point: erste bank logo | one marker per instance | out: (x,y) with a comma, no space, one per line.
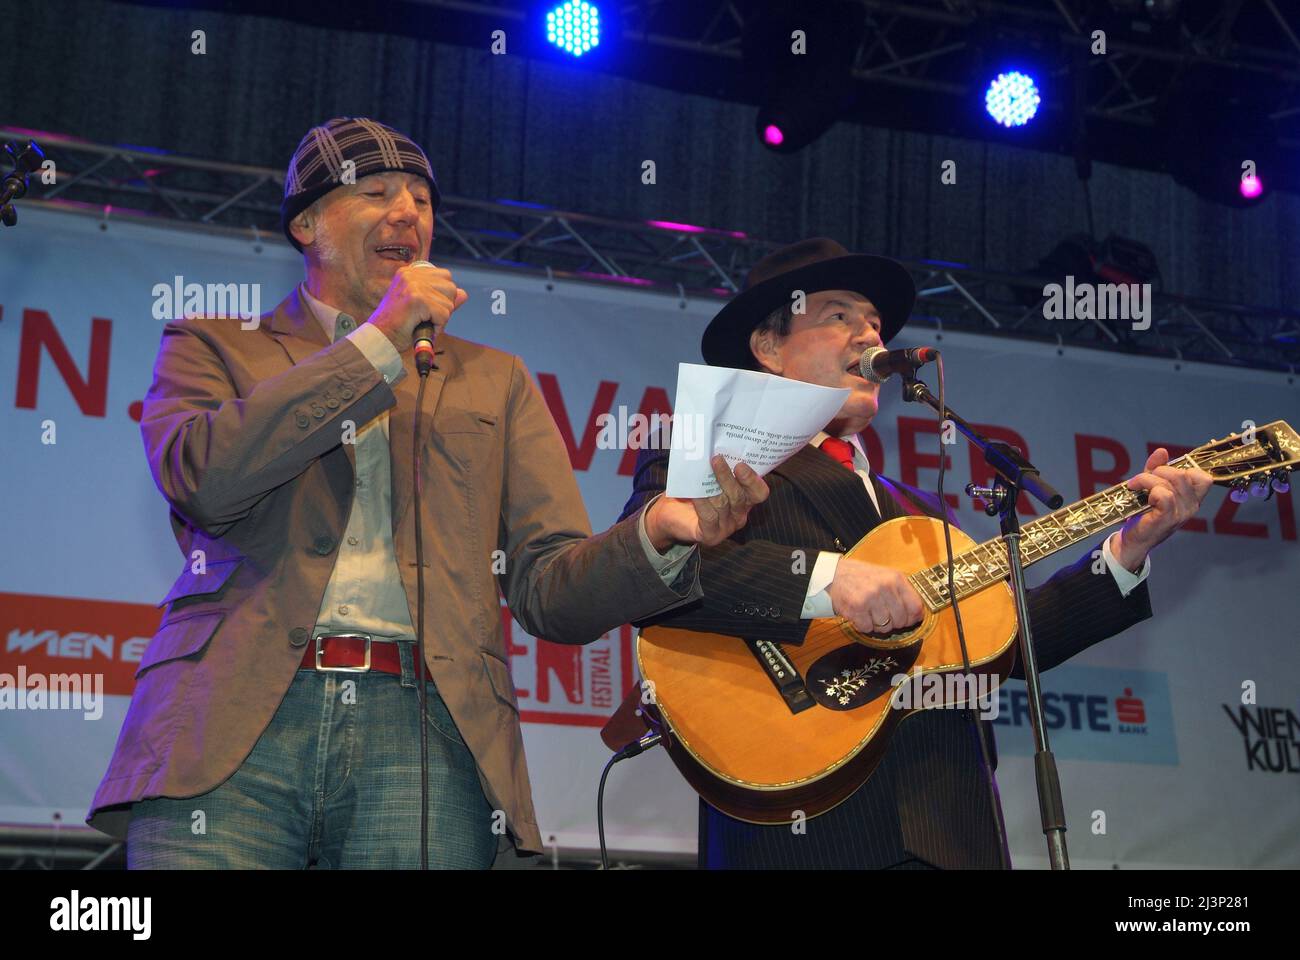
(1093,713)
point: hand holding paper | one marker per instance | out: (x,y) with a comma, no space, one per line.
(724,421)
(707,520)
(748,417)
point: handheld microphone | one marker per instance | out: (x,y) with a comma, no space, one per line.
(422,337)
(422,341)
(878,364)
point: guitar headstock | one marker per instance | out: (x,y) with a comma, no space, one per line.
(1252,461)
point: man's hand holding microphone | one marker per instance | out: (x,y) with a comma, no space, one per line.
(419,294)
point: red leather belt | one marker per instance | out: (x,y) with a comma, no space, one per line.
(352,653)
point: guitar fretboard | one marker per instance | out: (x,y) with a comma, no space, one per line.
(987,564)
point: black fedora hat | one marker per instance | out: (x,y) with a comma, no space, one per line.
(809,265)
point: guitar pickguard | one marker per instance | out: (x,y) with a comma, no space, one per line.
(853,675)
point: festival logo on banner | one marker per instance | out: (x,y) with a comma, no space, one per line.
(566,684)
(1093,713)
(53,644)
(1270,735)
(56,651)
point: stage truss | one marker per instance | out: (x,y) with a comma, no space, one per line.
(144,185)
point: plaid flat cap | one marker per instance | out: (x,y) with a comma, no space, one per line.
(320,162)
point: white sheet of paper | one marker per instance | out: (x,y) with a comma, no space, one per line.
(755,418)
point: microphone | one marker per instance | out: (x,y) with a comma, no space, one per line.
(878,364)
(422,337)
(422,341)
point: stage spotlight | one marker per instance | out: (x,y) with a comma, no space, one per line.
(1016,94)
(574,27)
(800,58)
(1218,138)
(1012,99)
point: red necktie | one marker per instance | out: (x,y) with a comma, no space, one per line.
(839,450)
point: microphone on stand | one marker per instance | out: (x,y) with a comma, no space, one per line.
(878,364)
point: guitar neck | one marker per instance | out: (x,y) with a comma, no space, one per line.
(987,563)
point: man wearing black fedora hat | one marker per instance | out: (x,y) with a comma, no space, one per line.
(807,312)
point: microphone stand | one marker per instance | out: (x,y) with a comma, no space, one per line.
(1015,473)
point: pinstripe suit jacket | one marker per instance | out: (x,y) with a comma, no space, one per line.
(929,798)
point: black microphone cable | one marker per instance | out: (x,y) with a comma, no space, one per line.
(980,733)
(631,750)
(417,463)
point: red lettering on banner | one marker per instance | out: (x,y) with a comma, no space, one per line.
(1176,450)
(1286,514)
(911,461)
(565,661)
(1091,477)
(580,454)
(1224,522)
(58,636)
(90,392)
(982,474)
(654,401)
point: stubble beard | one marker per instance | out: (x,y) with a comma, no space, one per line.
(332,261)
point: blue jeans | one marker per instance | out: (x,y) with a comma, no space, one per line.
(333,782)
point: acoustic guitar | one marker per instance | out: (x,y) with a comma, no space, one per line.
(761,731)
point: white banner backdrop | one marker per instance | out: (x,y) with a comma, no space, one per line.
(1162,764)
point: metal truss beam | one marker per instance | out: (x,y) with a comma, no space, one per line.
(142,185)
(905,42)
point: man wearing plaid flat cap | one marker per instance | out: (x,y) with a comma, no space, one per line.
(274,721)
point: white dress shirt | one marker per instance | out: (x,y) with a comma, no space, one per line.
(365,592)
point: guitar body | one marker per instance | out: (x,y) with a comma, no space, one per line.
(761,731)
(744,749)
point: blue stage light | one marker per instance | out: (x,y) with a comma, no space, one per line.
(1012,99)
(574,27)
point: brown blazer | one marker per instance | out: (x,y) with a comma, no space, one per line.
(243,429)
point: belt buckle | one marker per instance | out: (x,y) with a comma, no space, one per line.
(364,668)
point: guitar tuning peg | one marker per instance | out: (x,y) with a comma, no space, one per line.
(1281,481)
(1240,491)
(1259,487)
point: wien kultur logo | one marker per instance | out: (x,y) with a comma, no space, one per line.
(1270,737)
(179,299)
